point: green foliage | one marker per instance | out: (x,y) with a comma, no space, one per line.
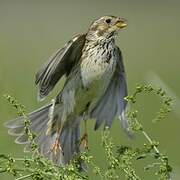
(119,159)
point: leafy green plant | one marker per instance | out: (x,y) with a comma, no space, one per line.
(119,159)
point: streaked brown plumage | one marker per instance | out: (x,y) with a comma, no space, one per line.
(95,87)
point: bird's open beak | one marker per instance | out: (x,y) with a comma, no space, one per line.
(121,23)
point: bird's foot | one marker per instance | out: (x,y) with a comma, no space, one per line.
(56,148)
(84,141)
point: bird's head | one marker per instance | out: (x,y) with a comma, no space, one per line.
(106,27)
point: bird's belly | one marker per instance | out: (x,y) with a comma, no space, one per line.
(88,96)
(95,83)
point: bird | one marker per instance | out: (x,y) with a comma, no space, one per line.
(95,87)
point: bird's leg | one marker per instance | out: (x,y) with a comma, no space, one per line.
(84,139)
(57,144)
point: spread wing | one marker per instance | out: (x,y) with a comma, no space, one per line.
(113,102)
(58,65)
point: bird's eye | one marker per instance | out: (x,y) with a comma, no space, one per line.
(108,21)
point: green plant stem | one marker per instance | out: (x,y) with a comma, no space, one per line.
(24,177)
(150,141)
(154,147)
(23,159)
(30,170)
(126,172)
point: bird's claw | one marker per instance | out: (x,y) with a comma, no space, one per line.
(56,148)
(84,141)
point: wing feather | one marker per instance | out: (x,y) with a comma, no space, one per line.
(58,65)
(113,102)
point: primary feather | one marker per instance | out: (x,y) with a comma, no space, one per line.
(58,65)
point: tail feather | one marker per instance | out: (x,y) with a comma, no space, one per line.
(41,121)
(16,131)
(22,139)
(19,122)
(15,123)
(69,138)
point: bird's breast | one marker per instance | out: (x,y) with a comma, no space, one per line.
(96,74)
(97,65)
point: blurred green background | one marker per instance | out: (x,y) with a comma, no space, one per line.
(30,31)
